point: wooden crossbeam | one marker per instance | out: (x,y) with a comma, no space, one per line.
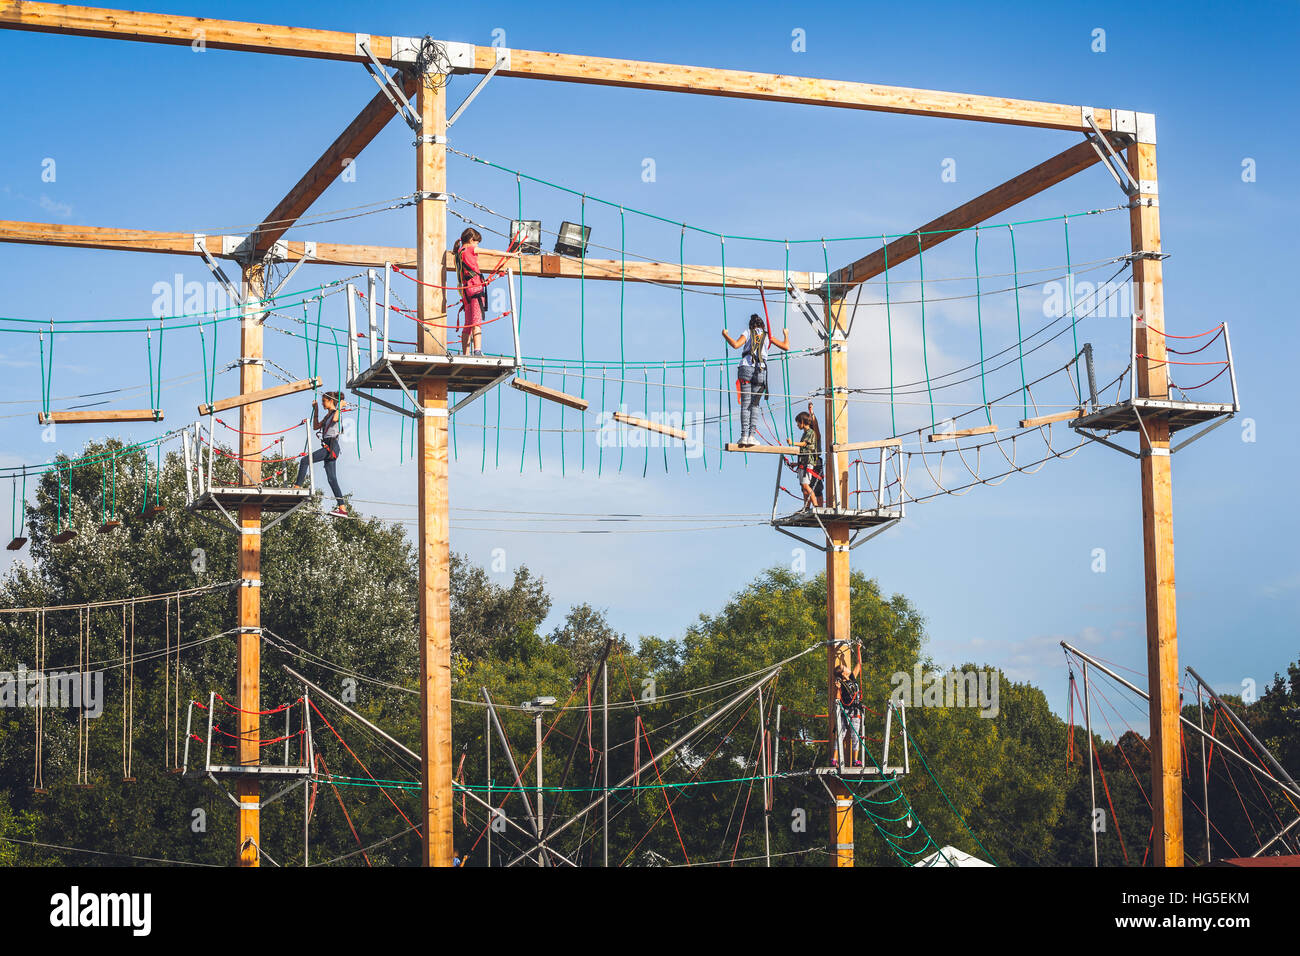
(650,426)
(765,449)
(963,433)
(100,416)
(550,394)
(668,273)
(863,445)
(996,200)
(349,144)
(365,256)
(1048,419)
(260,395)
(559,67)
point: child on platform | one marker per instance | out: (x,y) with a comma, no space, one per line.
(810,459)
(328,427)
(473,291)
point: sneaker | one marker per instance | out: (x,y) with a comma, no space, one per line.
(341,511)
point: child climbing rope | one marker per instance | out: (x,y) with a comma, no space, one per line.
(848,716)
(328,426)
(809,468)
(751,375)
(473,291)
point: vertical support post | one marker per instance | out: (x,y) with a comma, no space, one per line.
(537,756)
(372,332)
(1205,775)
(434,536)
(310,759)
(487,743)
(604,755)
(767,780)
(1092,782)
(836,431)
(248,656)
(1151,374)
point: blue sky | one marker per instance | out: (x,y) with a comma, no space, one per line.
(165,138)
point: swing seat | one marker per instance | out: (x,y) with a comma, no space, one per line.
(108,526)
(154,511)
(128,779)
(16,544)
(64,536)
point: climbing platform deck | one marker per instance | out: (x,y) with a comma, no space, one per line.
(230,497)
(855,518)
(406,370)
(1123,417)
(858,772)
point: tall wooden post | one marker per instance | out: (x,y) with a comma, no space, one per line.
(836,429)
(435,532)
(249,647)
(1152,375)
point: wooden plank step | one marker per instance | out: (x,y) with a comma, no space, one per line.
(765,449)
(101,416)
(963,433)
(260,395)
(1048,419)
(650,426)
(863,445)
(550,394)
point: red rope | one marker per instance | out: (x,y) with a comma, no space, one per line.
(1105,786)
(363,767)
(260,434)
(345,812)
(1157,361)
(1170,335)
(1192,388)
(278,710)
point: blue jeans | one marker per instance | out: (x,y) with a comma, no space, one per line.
(753,384)
(328,454)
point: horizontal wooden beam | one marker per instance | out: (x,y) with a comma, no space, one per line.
(864,445)
(649,426)
(996,200)
(100,416)
(364,256)
(765,449)
(963,433)
(1048,419)
(550,394)
(665,273)
(559,67)
(260,395)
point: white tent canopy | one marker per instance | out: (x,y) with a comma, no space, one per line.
(950,856)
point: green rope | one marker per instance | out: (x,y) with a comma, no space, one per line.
(47,372)
(925,763)
(925,351)
(645,404)
(600,446)
(1074,319)
(564,379)
(523,446)
(785,353)
(731,427)
(1020,339)
(622,352)
(681,296)
(519,255)
(482,465)
(663,410)
(582,320)
(541,377)
(498,429)
(889,328)
(979,321)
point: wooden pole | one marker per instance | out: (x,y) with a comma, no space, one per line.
(435,537)
(249,647)
(835,431)
(1152,375)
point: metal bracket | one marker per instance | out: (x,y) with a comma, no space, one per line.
(1146,128)
(502,61)
(282,515)
(248,630)
(432,139)
(379,74)
(1155,452)
(436,197)
(1134,256)
(309,252)
(232,290)
(814,317)
(389,405)
(1111,159)
(475,394)
(250,582)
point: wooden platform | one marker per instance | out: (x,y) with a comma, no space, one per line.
(1123,417)
(270,770)
(857,772)
(230,497)
(855,518)
(464,373)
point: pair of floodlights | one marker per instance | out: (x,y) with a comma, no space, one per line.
(570,240)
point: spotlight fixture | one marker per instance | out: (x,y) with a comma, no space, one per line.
(572,239)
(528,233)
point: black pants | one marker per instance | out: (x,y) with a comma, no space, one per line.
(329,454)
